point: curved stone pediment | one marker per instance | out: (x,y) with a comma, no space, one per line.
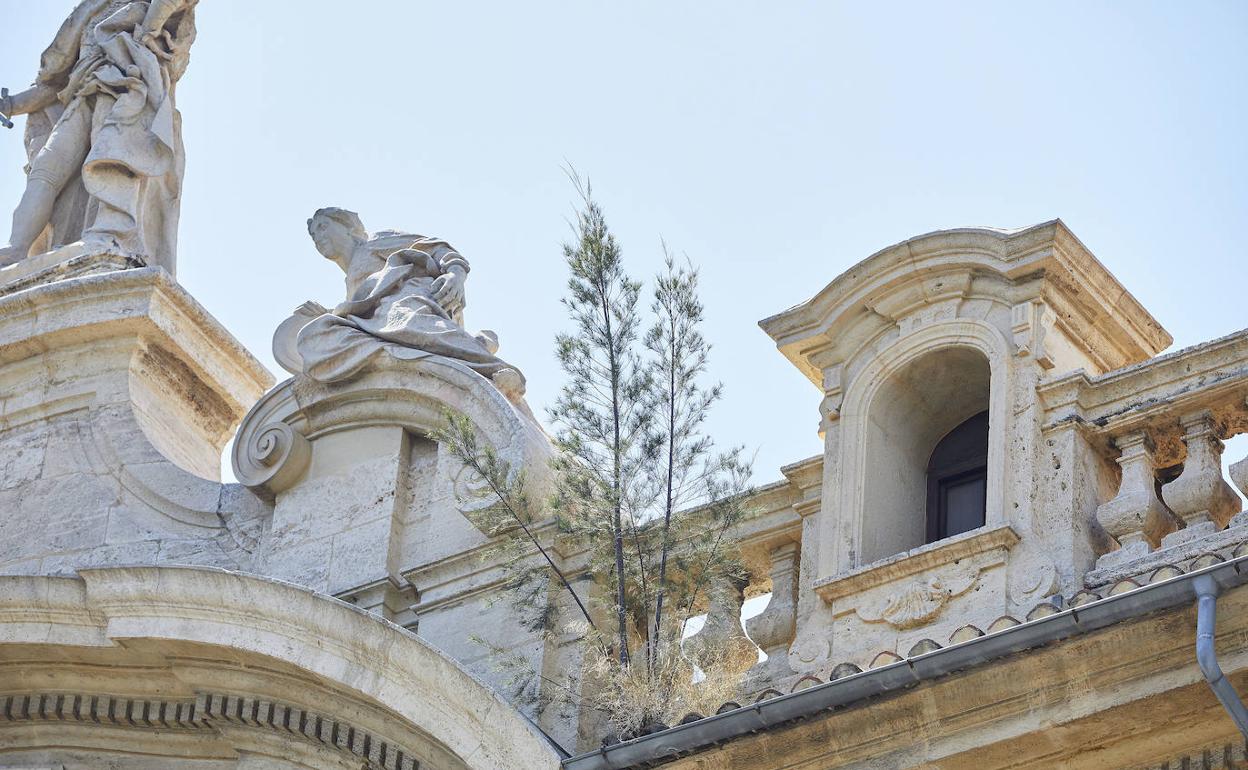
(178,662)
(925,278)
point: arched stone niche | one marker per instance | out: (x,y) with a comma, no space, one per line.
(911,407)
(895,411)
(904,347)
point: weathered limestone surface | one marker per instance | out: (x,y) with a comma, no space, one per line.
(405,299)
(904,347)
(117,393)
(365,506)
(211,669)
(1128,696)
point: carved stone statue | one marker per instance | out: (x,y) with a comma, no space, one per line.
(405,298)
(104,137)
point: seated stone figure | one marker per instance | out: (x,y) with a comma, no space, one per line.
(405,298)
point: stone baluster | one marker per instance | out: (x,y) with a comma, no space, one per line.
(1239,474)
(1200,495)
(722,643)
(774,628)
(1137,518)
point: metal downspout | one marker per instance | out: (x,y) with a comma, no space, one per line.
(1207,657)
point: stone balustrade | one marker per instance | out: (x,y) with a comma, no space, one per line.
(1158,517)
(774,628)
(1137,517)
(1164,423)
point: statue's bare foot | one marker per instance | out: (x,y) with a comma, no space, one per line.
(510,383)
(488,340)
(11,255)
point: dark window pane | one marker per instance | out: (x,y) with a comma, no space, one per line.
(964,504)
(957,480)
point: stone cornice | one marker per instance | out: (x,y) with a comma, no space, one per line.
(129,302)
(924,269)
(434,706)
(1207,375)
(272,451)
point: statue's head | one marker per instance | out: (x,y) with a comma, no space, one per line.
(336,232)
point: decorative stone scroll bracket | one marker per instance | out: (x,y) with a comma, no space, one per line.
(273,446)
(1030,323)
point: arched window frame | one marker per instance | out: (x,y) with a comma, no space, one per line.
(847,522)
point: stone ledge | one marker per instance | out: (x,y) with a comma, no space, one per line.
(72,261)
(205,713)
(1217,541)
(916,560)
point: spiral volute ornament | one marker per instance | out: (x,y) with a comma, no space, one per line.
(272,457)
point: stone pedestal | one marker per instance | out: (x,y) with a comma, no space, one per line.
(117,393)
(361,496)
(333,531)
(72,261)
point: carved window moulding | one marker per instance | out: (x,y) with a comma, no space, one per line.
(926,558)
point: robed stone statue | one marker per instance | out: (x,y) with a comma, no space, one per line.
(404,299)
(103,135)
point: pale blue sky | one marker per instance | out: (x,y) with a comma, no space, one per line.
(775,143)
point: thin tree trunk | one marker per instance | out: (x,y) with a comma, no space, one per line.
(617,522)
(667,508)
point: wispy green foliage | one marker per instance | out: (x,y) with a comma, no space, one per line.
(601,419)
(641,495)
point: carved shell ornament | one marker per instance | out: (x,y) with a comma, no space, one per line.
(916,603)
(472,493)
(920,600)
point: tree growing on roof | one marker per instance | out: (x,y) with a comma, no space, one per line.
(640,491)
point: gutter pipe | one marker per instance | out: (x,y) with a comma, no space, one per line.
(682,740)
(1207,591)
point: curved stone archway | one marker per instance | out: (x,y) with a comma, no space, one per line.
(211,669)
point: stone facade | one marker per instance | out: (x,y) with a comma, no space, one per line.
(323,611)
(1104,481)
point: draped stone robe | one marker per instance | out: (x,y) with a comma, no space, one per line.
(111,86)
(390,309)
